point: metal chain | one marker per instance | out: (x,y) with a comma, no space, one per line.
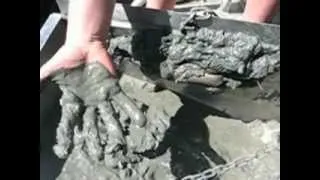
(203,13)
(197,14)
(220,170)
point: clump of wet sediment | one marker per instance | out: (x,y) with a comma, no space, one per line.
(204,56)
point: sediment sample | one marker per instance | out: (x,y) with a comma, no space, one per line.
(102,128)
(219,52)
(206,56)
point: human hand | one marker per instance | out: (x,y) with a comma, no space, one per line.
(70,56)
(88,25)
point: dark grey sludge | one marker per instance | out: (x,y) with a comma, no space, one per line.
(206,56)
(102,132)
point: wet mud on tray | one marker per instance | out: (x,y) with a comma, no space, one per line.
(183,148)
(209,65)
(105,134)
(100,123)
(206,56)
(81,154)
(107,142)
(192,143)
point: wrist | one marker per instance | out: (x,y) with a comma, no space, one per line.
(86,40)
(88,20)
(260,11)
(87,46)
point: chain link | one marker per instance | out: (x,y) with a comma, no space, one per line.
(220,170)
(203,13)
(197,14)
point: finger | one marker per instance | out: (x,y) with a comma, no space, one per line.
(70,111)
(78,138)
(65,58)
(94,148)
(102,56)
(103,132)
(123,117)
(115,135)
(114,129)
(135,114)
(160,122)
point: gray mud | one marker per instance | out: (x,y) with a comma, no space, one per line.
(80,167)
(102,132)
(208,57)
(194,141)
(106,134)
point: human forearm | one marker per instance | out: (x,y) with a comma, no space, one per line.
(161,4)
(260,10)
(88,20)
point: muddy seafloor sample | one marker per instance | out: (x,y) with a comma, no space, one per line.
(208,57)
(164,148)
(194,142)
(102,132)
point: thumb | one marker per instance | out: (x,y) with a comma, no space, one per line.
(102,56)
(63,59)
